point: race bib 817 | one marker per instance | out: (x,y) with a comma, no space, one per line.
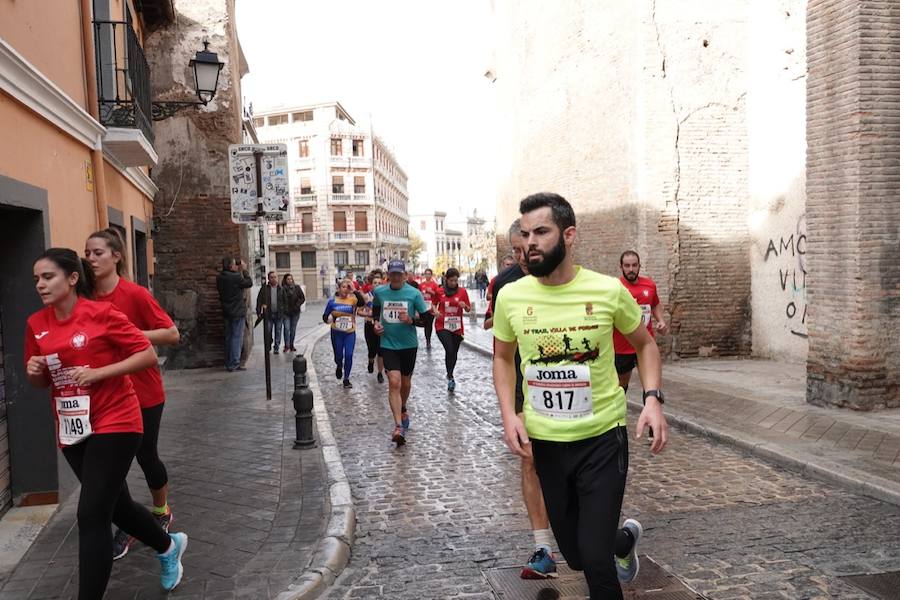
(560,392)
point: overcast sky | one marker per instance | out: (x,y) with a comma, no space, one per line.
(417,66)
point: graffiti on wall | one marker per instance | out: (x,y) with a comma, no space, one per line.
(790,253)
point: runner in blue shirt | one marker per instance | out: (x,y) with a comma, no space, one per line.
(396,307)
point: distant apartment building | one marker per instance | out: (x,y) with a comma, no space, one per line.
(442,247)
(349,207)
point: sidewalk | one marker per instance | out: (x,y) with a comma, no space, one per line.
(254,508)
(760,406)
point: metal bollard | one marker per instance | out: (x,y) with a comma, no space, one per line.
(303,405)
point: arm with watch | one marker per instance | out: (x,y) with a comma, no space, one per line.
(650,370)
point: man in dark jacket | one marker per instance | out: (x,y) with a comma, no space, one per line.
(231,283)
(268,308)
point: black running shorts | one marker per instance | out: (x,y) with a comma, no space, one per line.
(399,360)
(625,363)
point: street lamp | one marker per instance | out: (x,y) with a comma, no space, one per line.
(206,66)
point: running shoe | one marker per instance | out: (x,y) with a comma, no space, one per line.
(171,569)
(121,543)
(451,385)
(541,565)
(275,351)
(347,383)
(404,420)
(165,521)
(397,437)
(371,366)
(338,373)
(380,378)
(627,568)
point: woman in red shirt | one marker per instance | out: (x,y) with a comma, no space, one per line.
(82,350)
(449,304)
(105,251)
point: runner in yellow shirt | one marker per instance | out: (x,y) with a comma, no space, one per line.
(561,319)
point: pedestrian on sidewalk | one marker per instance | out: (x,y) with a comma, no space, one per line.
(373,340)
(105,252)
(271,311)
(449,303)
(481,282)
(292,299)
(83,351)
(561,321)
(340,312)
(231,283)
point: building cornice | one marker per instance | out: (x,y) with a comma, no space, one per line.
(22,81)
(135,175)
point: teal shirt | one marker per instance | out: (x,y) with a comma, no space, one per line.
(397,335)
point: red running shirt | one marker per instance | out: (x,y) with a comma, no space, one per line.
(96,334)
(451,310)
(145,313)
(644,291)
(430,291)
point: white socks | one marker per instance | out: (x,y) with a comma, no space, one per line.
(543,538)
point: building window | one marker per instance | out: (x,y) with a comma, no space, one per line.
(361,221)
(278,119)
(359,185)
(307,222)
(340,258)
(306,115)
(305,185)
(422,225)
(357,148)
(337,184)
(280,227)
(282,260)
(340,221)
(304,148)
(361,258)
(308,259)
(336,147)
(259,122)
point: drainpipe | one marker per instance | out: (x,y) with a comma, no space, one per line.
(93,106)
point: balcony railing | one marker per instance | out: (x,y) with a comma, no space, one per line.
(340,198)
(293,238)
(303,198)
(353,236)
(123,78)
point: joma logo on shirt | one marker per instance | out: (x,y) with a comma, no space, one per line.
(545,375)
(69,404)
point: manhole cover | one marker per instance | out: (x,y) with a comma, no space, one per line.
(883,585)
(653,583)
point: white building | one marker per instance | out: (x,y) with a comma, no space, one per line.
(441,246)
(349,199)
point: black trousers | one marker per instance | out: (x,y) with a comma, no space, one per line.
(451,343)
(101,463)
(148,454)
(428,320)
(583,484)
(373,341)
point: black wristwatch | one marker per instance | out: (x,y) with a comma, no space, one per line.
(656,394)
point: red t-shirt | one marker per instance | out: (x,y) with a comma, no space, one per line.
(145,313)
(644,291)
(367,288)
(96,334)
(430,290)
(451,310)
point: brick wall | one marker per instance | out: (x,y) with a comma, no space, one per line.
(853,203)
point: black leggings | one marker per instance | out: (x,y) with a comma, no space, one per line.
(101,463)
(428,320)
(373,341)
(147,455)
(451,343)
(583,484)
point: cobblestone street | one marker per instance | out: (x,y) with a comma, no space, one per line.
(437,513)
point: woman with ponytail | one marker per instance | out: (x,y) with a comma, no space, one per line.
(449,304)
(105,251)
(82,350)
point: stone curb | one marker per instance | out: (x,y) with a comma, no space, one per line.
(859,482)
(333,551)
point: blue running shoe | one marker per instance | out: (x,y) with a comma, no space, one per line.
(541,565)
(627,568)
(170,562)
(404,421)
(451,385)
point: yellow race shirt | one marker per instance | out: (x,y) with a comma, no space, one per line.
(564,335)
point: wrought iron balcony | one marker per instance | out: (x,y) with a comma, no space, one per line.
(123,78)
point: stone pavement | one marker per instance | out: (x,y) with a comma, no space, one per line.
(435,515)
(253,507)
(760,406)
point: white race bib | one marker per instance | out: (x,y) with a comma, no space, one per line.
(560,392)
(343,323)
(645,314)
(74,419)
(395,311)
(453,323)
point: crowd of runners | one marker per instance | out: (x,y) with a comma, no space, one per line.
(566,341)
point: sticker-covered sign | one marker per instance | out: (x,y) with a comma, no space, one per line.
(271,180)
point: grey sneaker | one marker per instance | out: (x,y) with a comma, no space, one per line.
(627,568)
(121,543)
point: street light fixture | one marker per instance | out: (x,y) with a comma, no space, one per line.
(206,66)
